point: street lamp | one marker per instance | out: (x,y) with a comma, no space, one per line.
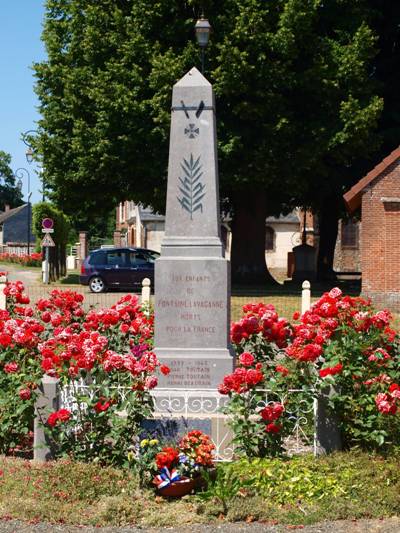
(21,173)
(29,154)
(202,30)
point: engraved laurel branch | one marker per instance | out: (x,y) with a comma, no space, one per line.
(191,187)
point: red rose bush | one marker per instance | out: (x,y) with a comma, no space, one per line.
(94,355)
(341,346)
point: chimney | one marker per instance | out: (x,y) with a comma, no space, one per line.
(6,208)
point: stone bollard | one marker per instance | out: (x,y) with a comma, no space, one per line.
(146,289)
(305,296)
(327,432)
(48,400)
(3,298)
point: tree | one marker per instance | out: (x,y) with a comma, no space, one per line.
(296,104)
(10,194)
(62,228)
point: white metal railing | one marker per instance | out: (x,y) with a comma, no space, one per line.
(191,405)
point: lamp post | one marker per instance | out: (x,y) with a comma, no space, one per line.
(29,154)
(21,173)
(202,30)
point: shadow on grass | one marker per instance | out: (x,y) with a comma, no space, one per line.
(349,287)
(70,279)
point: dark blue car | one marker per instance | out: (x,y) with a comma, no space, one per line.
(115,268)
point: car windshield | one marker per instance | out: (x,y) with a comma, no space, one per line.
(153,256)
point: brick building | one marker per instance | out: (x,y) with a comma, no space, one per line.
(347,251)
(378,195)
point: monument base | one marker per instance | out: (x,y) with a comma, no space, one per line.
(194,368)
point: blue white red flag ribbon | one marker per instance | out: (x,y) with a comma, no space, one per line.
(166,477)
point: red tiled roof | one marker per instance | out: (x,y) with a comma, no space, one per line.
(352,198)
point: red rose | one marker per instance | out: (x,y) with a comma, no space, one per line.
(52,420)
(11,368)
(165,370)
(24,394)
(282,370)
(273,428)
(246,359)
(331,371)
(124,328)
(64,415)
(101,406)
(151,382)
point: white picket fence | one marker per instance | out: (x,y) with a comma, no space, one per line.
(193,406)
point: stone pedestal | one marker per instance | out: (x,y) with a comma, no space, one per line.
(193,321)
(47,401)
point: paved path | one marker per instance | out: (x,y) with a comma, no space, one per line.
(389,525)
(28,277)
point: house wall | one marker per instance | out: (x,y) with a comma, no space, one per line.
(380,249)
(15,228)
(286,236)
(154,235)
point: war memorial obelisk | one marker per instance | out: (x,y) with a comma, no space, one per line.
(192,277)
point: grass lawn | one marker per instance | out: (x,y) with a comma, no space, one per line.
(16,266)
(301,490)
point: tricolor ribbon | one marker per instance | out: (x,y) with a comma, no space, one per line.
(166,477)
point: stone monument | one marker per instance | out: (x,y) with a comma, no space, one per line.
(192,277)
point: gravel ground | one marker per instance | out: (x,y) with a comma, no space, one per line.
(388,525)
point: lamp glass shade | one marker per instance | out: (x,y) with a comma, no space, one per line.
(203,30)
(29,155)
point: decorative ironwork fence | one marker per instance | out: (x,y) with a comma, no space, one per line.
(193,406)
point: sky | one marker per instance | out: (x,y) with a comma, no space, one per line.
(20,46)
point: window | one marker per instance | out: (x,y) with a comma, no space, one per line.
(139,258)
(97,259)
(116,258)
(269,239)
(349,234)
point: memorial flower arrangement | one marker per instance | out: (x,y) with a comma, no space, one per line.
(93,355)
(341,346)
(187,461)
(163,466)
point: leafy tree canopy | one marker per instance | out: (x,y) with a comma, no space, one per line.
(10,194)
(292,78)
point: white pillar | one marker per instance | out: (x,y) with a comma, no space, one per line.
(3,298)
(146,288)
(305,296)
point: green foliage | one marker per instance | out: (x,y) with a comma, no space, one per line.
(61,222)
(339,487)
(16,414)
(354,391)
(298,69)
(9,193)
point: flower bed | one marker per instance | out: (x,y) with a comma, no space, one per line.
(34,259)
(341,346)
(106,348)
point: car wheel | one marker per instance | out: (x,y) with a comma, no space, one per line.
(96,284)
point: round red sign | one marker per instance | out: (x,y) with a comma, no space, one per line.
(47,223)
